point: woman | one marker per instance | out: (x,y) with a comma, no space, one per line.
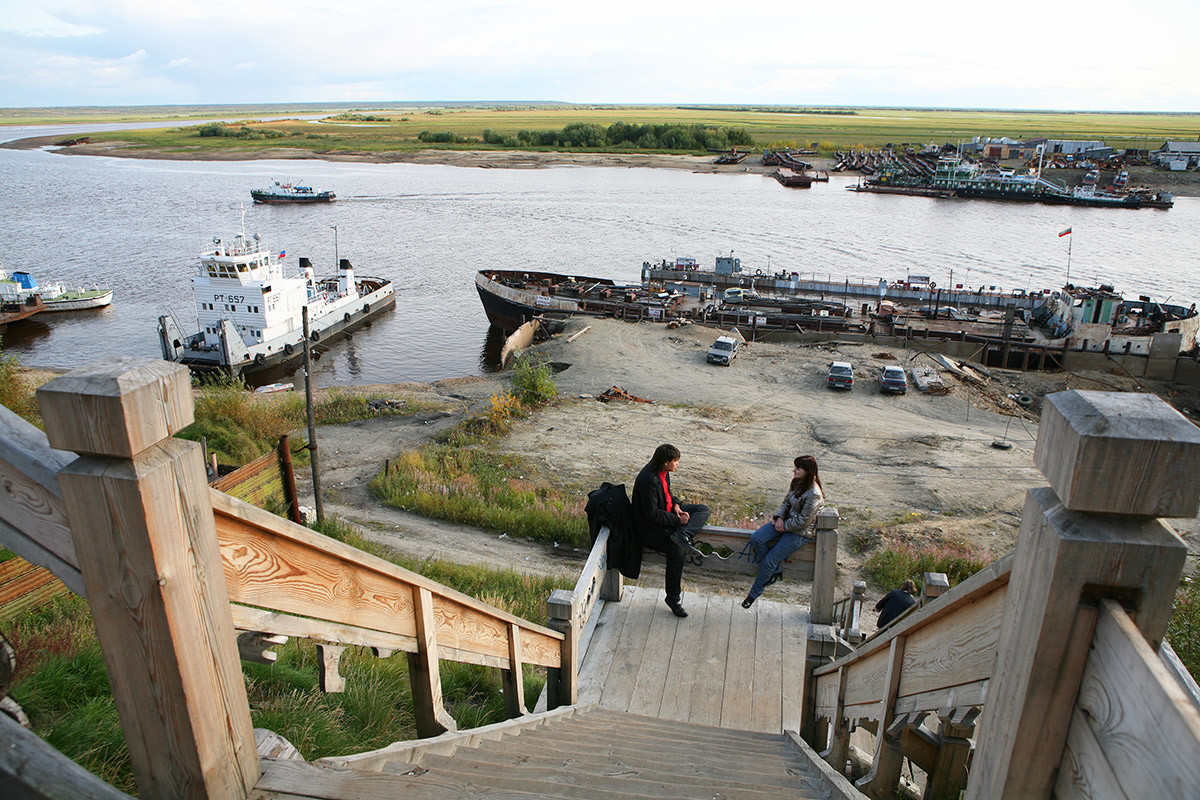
(793,524)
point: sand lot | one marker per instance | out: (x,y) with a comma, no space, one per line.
(914,468)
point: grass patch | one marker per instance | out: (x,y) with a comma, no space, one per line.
(62,684)
(15,392)
(890,567)
(1183,631)
(240,425)
(533,380)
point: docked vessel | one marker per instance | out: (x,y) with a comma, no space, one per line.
(291,193)
(17,302)
(249,313)
(955,176)
(58,297)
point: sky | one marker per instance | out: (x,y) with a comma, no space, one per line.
(1096,55)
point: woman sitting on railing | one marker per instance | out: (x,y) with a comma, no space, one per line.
(793,525)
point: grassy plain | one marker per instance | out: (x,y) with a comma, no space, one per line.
(396,129)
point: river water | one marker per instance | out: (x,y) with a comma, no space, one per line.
(139,225)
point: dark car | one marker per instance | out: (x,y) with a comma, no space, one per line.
(893,379)
(841,375)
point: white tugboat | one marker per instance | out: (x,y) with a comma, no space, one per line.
(250,314)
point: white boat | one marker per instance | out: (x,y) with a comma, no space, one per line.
(249,312)
(272,388)
(56,296)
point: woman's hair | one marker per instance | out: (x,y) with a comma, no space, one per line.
(811,475)
(909,587)
(663,454)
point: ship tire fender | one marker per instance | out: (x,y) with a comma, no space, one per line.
(346,318)
(259,358)
(758,272)
(933,284)
(316,336)
(288,349)
(1024,400)
(366,308)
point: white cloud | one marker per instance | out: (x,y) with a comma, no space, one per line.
(176,63)
(36,23)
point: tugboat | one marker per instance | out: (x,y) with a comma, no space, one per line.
(250,313)
(291,193)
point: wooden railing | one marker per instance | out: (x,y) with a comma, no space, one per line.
(1055,652)
(144,539)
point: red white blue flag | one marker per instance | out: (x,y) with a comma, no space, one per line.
(283,253)
(1067,232)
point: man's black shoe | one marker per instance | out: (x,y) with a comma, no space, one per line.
(677,609)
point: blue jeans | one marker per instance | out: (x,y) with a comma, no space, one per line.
(771,548)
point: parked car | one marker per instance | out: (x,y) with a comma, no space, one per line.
(723,351)
(841,375)
(893,379)
(738,295)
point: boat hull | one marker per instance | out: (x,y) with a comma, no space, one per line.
(265,197)
(80,303)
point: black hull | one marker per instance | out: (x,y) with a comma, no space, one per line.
(1011,197)
(259,197)
(505,314)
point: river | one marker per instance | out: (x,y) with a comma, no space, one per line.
(139,225)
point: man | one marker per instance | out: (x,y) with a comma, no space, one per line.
(896,602)
(663,522)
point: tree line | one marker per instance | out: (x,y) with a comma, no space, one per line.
(667,136)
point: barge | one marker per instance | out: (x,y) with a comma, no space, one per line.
(249,312)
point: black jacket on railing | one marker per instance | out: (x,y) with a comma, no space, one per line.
(609,505)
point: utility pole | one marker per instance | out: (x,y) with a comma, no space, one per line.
(308,410)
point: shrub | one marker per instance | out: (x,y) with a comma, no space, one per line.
(890,567)
(533,379)
(15,392)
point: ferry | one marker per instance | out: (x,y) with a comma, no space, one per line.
(249,312)
(291,193)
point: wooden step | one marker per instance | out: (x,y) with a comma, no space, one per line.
(618,740)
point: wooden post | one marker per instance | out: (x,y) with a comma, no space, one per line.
(514,676)
(563,683)
(949,773)
(1128,454)
(880,782)
(934,585)
(143,530)
(308,412)
(431,716)
(839,733)
(329,679)
(613,587)
(824,567)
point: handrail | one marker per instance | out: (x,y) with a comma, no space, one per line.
(265,592)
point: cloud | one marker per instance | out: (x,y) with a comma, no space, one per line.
(35,23)
(176,63)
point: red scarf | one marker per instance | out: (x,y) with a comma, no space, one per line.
(662,476)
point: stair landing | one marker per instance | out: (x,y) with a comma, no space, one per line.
(723,666)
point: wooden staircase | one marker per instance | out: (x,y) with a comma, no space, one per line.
(589,753)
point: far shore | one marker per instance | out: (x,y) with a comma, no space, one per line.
(1182,184)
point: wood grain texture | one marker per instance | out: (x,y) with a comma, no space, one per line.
(794,629)
(275,564)
(681,671)
(1063,557)
(1119,453)
(956,649)
(965,695)
(711,663)
(622,674)
(117,406)
(866,680)
(1085,773)
(514,676)
(30,769)
(31,508)
(1146,726)
(978,585)
(145,537)
(655,664)
(824,574)
(737,702)
(767,699)
(429,712)
(598,659)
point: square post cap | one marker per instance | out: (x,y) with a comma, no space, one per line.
(117,406)
(1119,453)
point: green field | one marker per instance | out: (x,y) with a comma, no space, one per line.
(393,128)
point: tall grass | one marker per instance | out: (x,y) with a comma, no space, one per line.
(15,391)
(533,379)
(62,684)
(1183,631)
(890,567)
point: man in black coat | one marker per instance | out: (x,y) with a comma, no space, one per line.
(664,523)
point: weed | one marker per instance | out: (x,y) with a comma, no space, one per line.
(1183,631)
(533,379)
(891,566)
(15,391)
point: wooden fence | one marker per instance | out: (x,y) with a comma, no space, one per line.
(1047,671)
(144,541)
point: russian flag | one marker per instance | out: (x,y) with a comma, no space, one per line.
(1067,232)
(283,253)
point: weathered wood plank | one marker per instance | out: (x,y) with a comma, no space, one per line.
(30,769)
(681,671)
(656,658)
(1085,773)
(956,649)
(514,676)
(598,658)
(1145,724)
(739,688)
(965,695)
(622,675)
(767,699)
(880,782)
(711,662)
(144,535)
(423,673)
(794,629)
(866,680)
